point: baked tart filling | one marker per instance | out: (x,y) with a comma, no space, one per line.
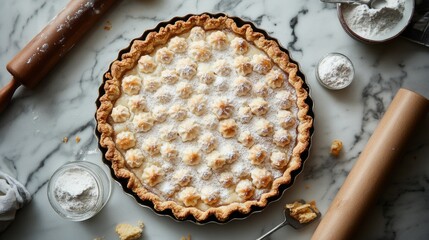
(204,118)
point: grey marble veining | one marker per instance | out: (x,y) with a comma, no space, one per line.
(32,128)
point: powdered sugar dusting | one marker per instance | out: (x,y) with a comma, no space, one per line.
(222,87)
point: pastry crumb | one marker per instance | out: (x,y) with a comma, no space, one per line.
(77,139)
(65,139)
(303,212)
(336,147)
(127,231)
(140,223)
(186,237)
(108,25)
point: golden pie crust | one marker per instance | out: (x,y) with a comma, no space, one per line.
(131,156)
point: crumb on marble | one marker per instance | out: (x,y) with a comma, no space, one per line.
(108,25)
(127,231)
(186,237)
(307,186)
(303,212)
(336,147)
(77,139)
(140,223)
(65,139)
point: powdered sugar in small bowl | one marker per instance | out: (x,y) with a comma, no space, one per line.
(79,190)
(335,71)
(385,21)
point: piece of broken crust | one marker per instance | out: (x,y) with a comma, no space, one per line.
(303,212)
(336,147)
(127,231)
(186,237)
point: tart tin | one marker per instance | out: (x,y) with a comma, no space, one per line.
(396,31)
(212,218)
(104,185)
(333,87)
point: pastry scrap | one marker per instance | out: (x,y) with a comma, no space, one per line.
(186,238)
(204,118)
(336,147)
(127,231)
(303,212)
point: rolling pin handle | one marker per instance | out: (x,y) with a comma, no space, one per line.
(45,50)
(7,92)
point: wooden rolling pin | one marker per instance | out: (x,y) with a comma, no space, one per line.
(363,184)
(44,51)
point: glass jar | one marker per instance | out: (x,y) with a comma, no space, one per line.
(101,180)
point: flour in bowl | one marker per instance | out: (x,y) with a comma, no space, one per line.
(371,22)
(76,190)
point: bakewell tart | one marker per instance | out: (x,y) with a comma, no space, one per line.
(204,118)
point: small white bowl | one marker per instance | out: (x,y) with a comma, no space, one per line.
(103,183)
(396,31)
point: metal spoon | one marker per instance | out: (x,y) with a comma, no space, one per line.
(370,3)
(367,2)
(289,220)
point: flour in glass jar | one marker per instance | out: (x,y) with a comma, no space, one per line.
(335,71)
(76,191)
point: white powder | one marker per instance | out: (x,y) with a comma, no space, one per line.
(221,87)
(335,71)
(76,190)
(370,22)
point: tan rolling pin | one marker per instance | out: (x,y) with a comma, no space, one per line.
(363,184)
(44,51)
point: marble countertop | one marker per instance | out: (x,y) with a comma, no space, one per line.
(33,127)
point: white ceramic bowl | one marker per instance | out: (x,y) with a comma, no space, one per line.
(393,33)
